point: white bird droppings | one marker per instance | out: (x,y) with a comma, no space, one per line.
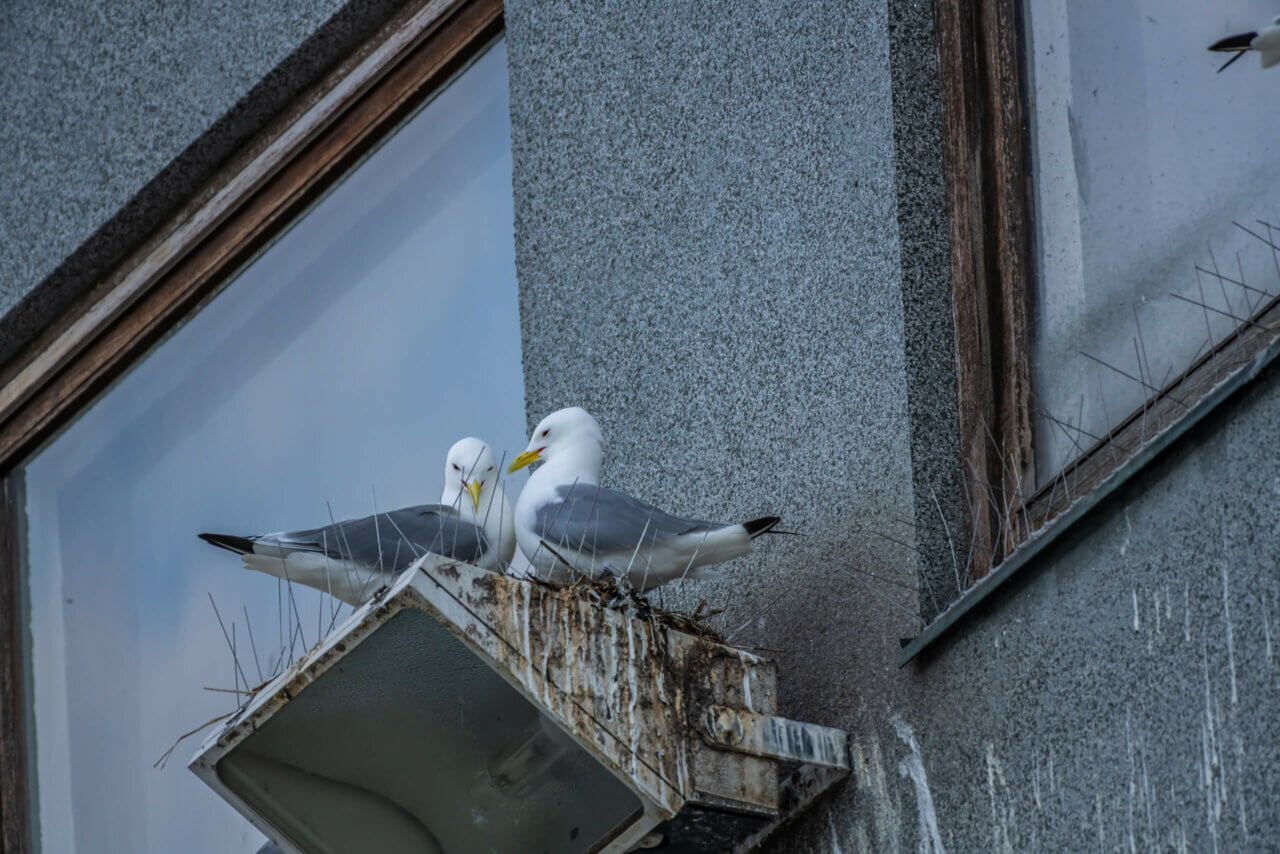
(913,766)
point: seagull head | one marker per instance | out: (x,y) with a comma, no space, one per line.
(568,437)
(469,469)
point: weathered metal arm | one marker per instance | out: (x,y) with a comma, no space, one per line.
(822,751)
(776,738)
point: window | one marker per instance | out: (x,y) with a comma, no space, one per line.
(334,370)
(1114,243)
(1146,166)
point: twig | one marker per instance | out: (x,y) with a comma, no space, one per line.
(160,763)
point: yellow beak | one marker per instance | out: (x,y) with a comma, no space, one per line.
(523,459)
(473,489)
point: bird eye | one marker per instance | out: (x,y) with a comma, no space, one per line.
(490,468)
(455,467)
(545,432)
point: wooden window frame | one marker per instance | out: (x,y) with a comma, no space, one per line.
(988,186)
(273,181)
(986,145)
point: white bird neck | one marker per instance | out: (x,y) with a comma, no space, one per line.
(493,509)
(580,462)
(456,497)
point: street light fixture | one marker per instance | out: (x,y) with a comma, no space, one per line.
(461,711)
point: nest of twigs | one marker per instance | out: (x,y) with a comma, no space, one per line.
(606,592)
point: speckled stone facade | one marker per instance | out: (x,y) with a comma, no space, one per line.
(731,244)
(731,241)
(116,113)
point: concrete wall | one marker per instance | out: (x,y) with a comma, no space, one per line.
(731,248)
(1126,693)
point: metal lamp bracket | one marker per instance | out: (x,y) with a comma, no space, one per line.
(823,754)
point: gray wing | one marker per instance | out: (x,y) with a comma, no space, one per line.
(599,520)
(389,540)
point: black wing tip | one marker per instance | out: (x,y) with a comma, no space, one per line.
(1240,41)
(763,525)
(230,542)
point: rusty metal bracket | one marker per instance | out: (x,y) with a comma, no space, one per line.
(795,795)
(775,738)
(822,751)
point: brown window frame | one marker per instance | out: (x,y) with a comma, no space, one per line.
(988,184)
(263,190)
(988,193)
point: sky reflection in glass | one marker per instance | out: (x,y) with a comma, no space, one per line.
(1144,158)
(335,370)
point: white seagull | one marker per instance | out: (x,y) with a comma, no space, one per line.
(567,522)
(350,560)
(1265,41)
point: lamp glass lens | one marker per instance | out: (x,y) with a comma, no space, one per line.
(413,743)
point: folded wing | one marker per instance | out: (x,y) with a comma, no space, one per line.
(598,520)
(387,541)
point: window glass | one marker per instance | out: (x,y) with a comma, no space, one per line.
(1143,159)
(335,371)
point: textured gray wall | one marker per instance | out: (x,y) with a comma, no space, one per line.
(115,113)
(928,314)
(1126,695)
(708,253)
(731,248)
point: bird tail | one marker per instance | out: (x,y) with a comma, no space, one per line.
(230,542)
(763,525)
(716,545)
(1237,44)
(1241,41)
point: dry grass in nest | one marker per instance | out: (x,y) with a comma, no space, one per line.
(607,593)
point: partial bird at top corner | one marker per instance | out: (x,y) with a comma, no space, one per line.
(1265,41)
